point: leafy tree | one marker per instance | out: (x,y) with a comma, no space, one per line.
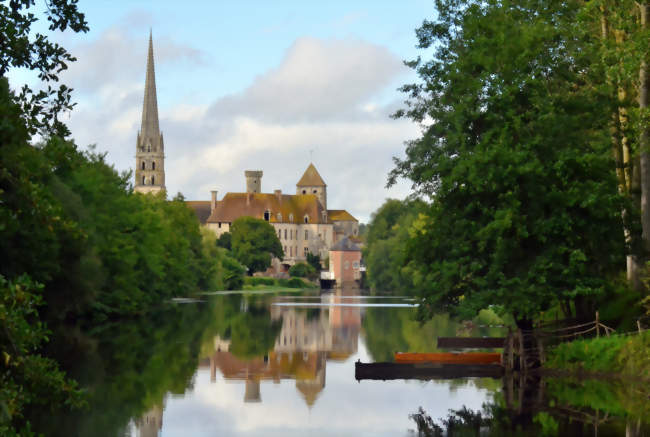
(515,155)
(27,379)
(302,270)
(385,252)
(21,47)
(314,261)
(254,241)
(225,241)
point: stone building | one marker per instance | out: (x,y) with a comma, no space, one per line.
(302,221)
(150,148)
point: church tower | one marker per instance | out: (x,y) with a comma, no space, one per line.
(150,150)
(312,183)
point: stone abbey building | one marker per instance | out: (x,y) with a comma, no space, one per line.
(302,220)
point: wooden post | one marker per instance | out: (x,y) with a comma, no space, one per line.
(511,351)
(597,325)
(522,352)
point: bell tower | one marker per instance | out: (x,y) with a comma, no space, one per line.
(150,149)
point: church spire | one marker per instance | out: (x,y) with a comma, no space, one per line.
(150,148)
(150,105)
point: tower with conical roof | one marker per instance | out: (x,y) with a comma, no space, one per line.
(150,149)
(312,183)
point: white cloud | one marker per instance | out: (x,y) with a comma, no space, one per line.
(325,95)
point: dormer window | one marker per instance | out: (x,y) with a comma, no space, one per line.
(304,191)
(267,215)
(315,191)
(279,217)
(306,218)
(291,218)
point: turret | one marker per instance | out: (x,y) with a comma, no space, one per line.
(312,183)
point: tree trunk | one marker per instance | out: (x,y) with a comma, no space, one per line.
(644,155)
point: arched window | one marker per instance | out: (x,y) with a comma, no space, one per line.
(267,215)
(152,181)
(142,166)
(153,165)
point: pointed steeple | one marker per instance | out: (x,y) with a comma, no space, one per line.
(150,125)
(150,147)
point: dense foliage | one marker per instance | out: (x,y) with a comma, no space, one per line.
(254,243)
(516,157)
(303,270)
(385,251)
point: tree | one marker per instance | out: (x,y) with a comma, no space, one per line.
(314,261)
(225,241)
(254,242)
(303,270)
(385,252)
(515,155)
(20,47)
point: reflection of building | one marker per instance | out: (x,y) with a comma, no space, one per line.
(150,424)
(308,338)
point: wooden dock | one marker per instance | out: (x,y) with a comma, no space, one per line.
(470,342)
(449,358)
(425,371)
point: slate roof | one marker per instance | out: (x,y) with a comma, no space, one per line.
(235,205)
(340,215)
(201,209)
(345,245)
(311,178)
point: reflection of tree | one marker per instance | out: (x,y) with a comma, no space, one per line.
(531,405)
(127,368)
(253,333)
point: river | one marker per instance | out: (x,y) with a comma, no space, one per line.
(282,364)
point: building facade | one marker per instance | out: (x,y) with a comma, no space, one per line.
(302,221)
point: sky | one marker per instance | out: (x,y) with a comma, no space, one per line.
(250,85)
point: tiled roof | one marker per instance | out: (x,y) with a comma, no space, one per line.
(345,245)
(235,205)
(201,209)
(340,215)
(311,178)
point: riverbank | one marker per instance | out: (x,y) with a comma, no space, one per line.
(276,284)
(626,355)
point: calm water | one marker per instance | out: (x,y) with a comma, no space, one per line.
(283,364)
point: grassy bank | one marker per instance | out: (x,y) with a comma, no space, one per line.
(265,283)
(624,355)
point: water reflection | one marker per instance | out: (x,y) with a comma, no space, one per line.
(307,339)
(245,364)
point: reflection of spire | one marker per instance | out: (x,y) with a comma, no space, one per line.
(252,393)
(150,423)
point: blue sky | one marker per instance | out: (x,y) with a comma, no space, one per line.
(251,85)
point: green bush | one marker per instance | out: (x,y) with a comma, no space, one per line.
(302,270)
(260,281)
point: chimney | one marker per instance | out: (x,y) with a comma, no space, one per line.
(278,194)
(213,201)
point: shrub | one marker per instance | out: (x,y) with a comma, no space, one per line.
(302,270)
